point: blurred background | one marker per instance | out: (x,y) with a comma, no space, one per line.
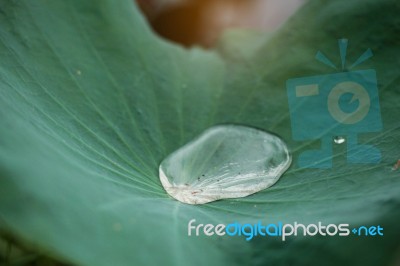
(201,22)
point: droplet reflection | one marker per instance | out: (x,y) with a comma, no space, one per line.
(339,140)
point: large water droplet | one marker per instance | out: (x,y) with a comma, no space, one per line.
(226,161)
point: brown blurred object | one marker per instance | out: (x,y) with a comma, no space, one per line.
(201,22)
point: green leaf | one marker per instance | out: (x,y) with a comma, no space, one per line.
(91,101)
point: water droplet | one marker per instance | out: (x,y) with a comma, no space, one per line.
(232,162)
(339,140)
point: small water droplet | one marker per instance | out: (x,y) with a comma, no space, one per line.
(339,140)
(78,72)
(234,162)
